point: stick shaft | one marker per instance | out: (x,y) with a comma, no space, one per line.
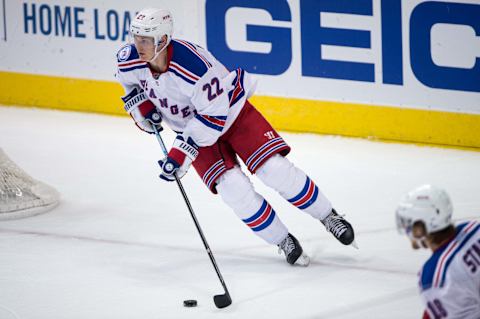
(190,209)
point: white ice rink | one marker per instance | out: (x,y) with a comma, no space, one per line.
(122,245)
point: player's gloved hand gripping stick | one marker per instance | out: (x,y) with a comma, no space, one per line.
(221,301)
(184,151)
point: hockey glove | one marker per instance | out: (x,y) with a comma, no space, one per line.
(179,159)
(143,111)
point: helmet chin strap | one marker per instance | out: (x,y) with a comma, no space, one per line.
(158,53)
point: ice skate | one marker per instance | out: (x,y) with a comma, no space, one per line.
(293,251)
(340,228)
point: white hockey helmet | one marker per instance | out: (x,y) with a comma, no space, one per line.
(428,204)
(153,22)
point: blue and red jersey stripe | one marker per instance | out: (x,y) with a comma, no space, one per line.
(447,257)
(131,61)
(214,122)
(434,271)
(238,91)
(193,49)
(186,62)
(132,65)
(183,73)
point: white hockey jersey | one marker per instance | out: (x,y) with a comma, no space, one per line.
(196,96)
(450,279)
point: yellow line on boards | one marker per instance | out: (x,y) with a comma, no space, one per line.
(291,114)
(61,93)
(368,121)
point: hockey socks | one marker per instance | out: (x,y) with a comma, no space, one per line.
(237,192)
(299,190)
(295,186)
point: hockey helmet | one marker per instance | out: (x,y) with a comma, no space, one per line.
(152,22)
(428,204)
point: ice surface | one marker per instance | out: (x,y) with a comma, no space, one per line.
(122,245)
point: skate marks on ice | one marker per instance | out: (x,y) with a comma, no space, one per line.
(361,309)
(6,313)
(318,257)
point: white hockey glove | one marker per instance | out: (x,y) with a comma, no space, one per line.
(183,152)
(143,111)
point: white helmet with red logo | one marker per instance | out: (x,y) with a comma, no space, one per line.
(155,23)
(428,204)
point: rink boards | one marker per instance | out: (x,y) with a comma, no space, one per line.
(389,69)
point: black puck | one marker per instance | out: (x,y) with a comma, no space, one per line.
(190,303)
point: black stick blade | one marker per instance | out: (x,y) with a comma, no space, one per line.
(222,301)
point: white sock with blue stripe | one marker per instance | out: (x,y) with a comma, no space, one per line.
(237,192)
(295,186)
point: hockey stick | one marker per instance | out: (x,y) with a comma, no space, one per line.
(221,301)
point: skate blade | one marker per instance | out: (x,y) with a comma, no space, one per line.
(354,244)
(303,261)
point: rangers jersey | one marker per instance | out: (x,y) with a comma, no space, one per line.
(450,279)
(196,96)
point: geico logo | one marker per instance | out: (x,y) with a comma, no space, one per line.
(422,18)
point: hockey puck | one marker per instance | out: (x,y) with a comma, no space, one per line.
(190,303)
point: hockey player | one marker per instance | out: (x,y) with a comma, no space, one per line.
(450,279)
(182,85)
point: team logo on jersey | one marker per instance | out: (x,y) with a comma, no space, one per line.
(124,53)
